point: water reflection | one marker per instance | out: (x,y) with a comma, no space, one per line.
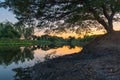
(9,55)
(51,53)
(12,58)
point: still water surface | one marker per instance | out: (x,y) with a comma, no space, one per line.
(21,57)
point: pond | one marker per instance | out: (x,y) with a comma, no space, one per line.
(22,57)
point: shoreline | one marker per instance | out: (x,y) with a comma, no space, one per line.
(97,61)
(80,66)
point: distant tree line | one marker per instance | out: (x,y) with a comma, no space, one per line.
(15,31)
(18,31)
(56,41)
(8,31)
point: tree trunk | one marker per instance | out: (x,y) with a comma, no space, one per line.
(109,29)
(110,25)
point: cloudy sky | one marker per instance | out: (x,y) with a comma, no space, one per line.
(6,15)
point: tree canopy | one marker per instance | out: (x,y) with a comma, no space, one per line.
(7,30)
(73,11)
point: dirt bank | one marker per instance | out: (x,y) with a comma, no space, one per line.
(100,60)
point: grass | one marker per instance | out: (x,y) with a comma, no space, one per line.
(17,42)
(10,42)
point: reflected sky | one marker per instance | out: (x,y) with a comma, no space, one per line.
(65,50)
(26,57)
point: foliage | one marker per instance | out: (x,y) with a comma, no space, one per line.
(17,42)
(54,41)
(24,31)
(17,30)
(74,11)
(7,30)
(14,54)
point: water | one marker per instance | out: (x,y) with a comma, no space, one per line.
(22,57)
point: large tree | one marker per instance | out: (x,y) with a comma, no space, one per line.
(7,30)
(44,11)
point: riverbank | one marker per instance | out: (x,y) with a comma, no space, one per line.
(13,42)
(46,42)
(100,63)
(83,66)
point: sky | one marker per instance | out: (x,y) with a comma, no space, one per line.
(6,15)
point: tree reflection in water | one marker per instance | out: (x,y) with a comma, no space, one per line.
(9,55)
(22,75)
(15,54)
(26,73)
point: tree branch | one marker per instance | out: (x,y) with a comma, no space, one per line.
(99,19)
(105,12)
(113,11)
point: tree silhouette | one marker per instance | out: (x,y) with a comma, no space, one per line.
(73,11)
(9,55)
(8,30)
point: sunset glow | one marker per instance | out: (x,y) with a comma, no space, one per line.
(65,50)
(72,34)
(116,26)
